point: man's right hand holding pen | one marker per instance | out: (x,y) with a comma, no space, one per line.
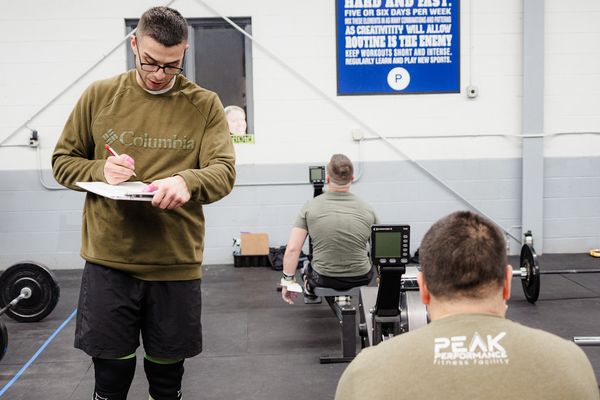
(118,168)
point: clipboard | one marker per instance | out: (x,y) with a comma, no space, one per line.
(122,191)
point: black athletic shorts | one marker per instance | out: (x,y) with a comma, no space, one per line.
(114,308)
(338,283)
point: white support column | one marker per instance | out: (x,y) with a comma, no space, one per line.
(532,209)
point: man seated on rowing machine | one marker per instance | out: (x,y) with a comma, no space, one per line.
(469,350)
(339,225)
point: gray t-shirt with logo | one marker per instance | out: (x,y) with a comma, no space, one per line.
(339,224)
(470,356)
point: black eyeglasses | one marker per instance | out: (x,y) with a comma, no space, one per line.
(167,69)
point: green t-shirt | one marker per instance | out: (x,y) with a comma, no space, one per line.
(470,356)
(339,224)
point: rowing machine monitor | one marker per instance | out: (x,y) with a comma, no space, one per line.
(390,245)
(316,176)
(394,307)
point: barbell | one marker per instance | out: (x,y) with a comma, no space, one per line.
(587,340)
(529,271)
(28,293)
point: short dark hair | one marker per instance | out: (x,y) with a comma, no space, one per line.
(463,255)
(340,169)
(163,24)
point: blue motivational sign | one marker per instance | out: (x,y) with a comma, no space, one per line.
(397,46)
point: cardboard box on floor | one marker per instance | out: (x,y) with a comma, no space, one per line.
(255,244)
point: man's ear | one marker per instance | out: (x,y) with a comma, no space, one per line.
(327,179)
(507,283)
(425,295)
(133,43)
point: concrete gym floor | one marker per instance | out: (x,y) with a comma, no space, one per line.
(255,346)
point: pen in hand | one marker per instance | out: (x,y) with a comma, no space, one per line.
(114,153)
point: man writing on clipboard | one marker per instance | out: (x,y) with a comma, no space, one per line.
(143,259)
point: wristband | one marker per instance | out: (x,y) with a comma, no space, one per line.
(288,277)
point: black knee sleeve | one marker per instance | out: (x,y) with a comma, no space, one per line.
(113,378)
(164,379)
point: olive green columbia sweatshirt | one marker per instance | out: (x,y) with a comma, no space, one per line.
(181,132)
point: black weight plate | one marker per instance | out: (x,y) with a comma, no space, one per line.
(530,281)
(44,291)
(3,340)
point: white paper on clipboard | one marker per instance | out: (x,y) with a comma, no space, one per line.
(122,191)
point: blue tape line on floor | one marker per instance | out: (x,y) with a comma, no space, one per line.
(37,353)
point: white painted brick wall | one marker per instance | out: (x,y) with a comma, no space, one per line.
(50,44)
(46,45)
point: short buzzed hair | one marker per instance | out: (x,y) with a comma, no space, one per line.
(231,108)
(463,255)
(163,24)
(340,169)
